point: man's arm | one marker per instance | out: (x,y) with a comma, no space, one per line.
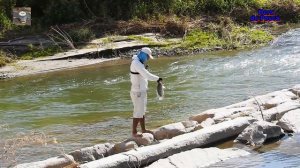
(145,73)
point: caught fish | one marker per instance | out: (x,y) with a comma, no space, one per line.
(160,90)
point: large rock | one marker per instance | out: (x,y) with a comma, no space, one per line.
(266,101)
(169,131)
(296,90)
(124,146)
(197,158)
(223,114)
(257,133)
(290,121)
(92,153)
(189,125)
(55,162)
(277,112)
(144,155)
(208,122)
(145,139)
(203,116)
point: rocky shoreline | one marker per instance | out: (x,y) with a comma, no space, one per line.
(252,122)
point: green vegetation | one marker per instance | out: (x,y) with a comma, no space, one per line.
(5,58)
(145,40)
(226,34)
(200,39)
(35,52)
(49,12)
(5,23)
(201,23)
(82,35)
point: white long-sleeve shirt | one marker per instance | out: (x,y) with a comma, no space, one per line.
(139,82)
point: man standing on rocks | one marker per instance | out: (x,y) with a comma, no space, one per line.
(139,77)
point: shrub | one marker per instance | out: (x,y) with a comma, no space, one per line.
(199,39)
(4,58)
(82,35)
(36,52)
(5,23)
(289,10)
(246,36)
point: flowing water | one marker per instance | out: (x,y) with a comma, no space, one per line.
(91,105)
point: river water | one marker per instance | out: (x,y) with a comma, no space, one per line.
(91,105)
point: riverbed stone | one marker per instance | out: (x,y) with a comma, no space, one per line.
(208,122)
(203,115)
(198,127)
(142,156)
(145,139)
(277,112)
(296,90)
(124,146)
(169,131)
(197,158)
(189,125)
(290,121)
(55,162)
(92,153)
(229,112)
(257,133)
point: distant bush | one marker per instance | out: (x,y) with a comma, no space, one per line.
(35,52)
(82,35)
(65,11)
(288,10)
(5,58)
(5,23)
(200,39)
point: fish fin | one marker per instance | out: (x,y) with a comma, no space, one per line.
(160,98)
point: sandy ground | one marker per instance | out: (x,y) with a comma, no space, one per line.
(30,67)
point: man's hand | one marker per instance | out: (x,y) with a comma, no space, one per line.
(159,80)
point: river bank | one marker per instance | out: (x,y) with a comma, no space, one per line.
(116,47)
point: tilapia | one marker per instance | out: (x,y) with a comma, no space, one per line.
(160,90)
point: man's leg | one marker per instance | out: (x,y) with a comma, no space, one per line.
(135,123)
(142,121)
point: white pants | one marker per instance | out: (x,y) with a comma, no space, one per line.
(139,100)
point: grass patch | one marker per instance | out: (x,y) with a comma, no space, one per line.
(226,34)
(82,35)
(142,39)
(245,36)
(36,52)
(199,39)
(5,59)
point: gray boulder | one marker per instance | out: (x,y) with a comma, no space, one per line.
(257,133)
(92,153)
(208,122)
(169,131)
(145,139)
(55,162)
(197,158)
(203,116)
(124,146)
(290,121)
(147,154)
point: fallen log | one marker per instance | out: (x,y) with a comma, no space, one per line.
(148,154)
